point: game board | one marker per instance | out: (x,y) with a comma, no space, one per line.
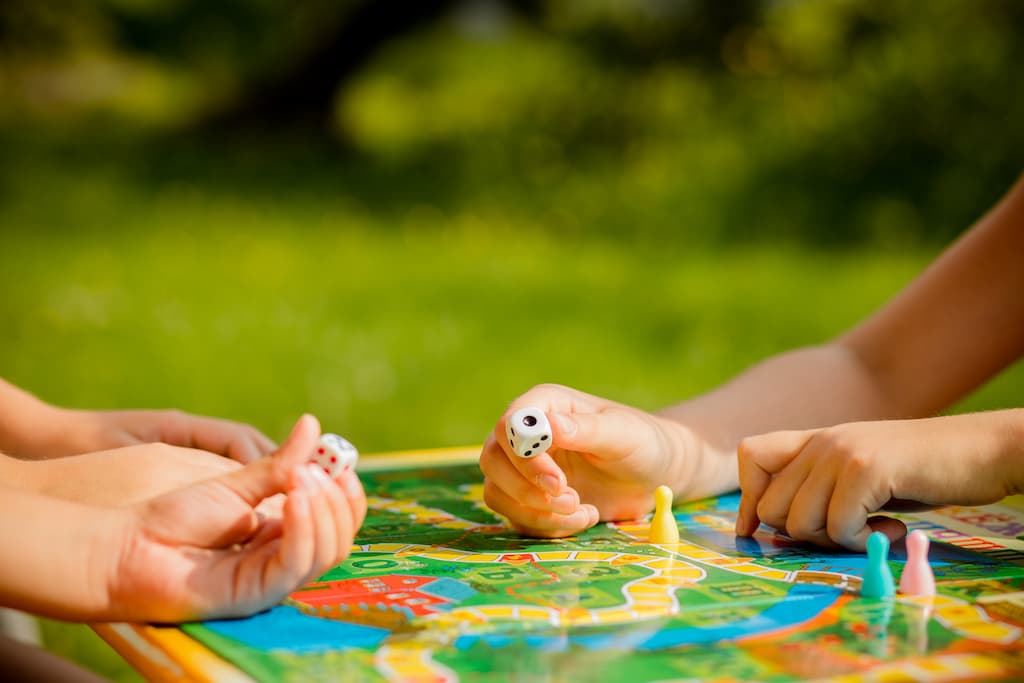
(438,588)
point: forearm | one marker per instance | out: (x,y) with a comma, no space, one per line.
(1006,430)
(56,555)
(809,387)
(946,333)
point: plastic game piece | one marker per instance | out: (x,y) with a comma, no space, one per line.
(878,582)
(917,577)
(663,525)
(335,454)
(528,432)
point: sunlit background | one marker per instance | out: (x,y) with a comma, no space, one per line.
(399,216)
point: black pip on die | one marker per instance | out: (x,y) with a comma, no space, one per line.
(528,432)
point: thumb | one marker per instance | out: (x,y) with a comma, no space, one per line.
(609,434)
(268,476)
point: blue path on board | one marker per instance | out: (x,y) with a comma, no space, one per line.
(286,629)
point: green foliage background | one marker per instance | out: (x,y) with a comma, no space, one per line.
(607,195)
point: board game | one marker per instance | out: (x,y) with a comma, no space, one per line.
(438,588)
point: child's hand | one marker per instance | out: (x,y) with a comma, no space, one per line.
(820,485)
(96,430)
(605,462)
(121,476)
(204,551)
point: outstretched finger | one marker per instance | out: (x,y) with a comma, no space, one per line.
(758,459)
(268,476)
(240,442)
(249,444)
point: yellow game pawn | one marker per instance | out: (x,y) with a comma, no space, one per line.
(663,525)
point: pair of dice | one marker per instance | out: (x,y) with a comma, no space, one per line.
(528,432)
(335,454)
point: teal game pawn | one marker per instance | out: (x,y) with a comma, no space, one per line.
(878,581)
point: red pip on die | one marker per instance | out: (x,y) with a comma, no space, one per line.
(335,454)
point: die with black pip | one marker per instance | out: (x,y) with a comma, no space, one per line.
(528,432)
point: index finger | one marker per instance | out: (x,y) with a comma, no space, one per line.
(541,470)
(267,476)
(758,459)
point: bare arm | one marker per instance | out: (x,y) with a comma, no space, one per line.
(24,419)
(32,429)
(950,330)
(200,551)
(56,554)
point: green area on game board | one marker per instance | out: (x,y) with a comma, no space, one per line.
(438,587)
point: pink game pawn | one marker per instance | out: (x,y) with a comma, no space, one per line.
(917,578)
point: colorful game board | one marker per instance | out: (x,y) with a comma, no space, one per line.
(438,588)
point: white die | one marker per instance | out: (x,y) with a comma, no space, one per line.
(334,454)
(528,432)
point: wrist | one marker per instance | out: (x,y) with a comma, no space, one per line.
(112,559)
(21,474)
(698,468)
(74,431)
(1012,450)
(27,428)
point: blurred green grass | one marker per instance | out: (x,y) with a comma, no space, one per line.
(401,326)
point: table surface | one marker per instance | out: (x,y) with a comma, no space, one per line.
(437,588)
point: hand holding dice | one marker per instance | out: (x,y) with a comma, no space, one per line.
(528,432)
(335,454)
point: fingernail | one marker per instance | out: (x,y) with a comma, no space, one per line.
(551,484)
(300,502)
(307,476)
(321,478)
(566,425)
(349,481)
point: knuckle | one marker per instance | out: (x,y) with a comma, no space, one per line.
(172,414)
(856,463)
(744,450)
(835,531)
(494,497)
(837,439)
(770,515)
(799,530)
(486,465)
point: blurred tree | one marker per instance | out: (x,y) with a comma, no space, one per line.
(831,122)
(299,93)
